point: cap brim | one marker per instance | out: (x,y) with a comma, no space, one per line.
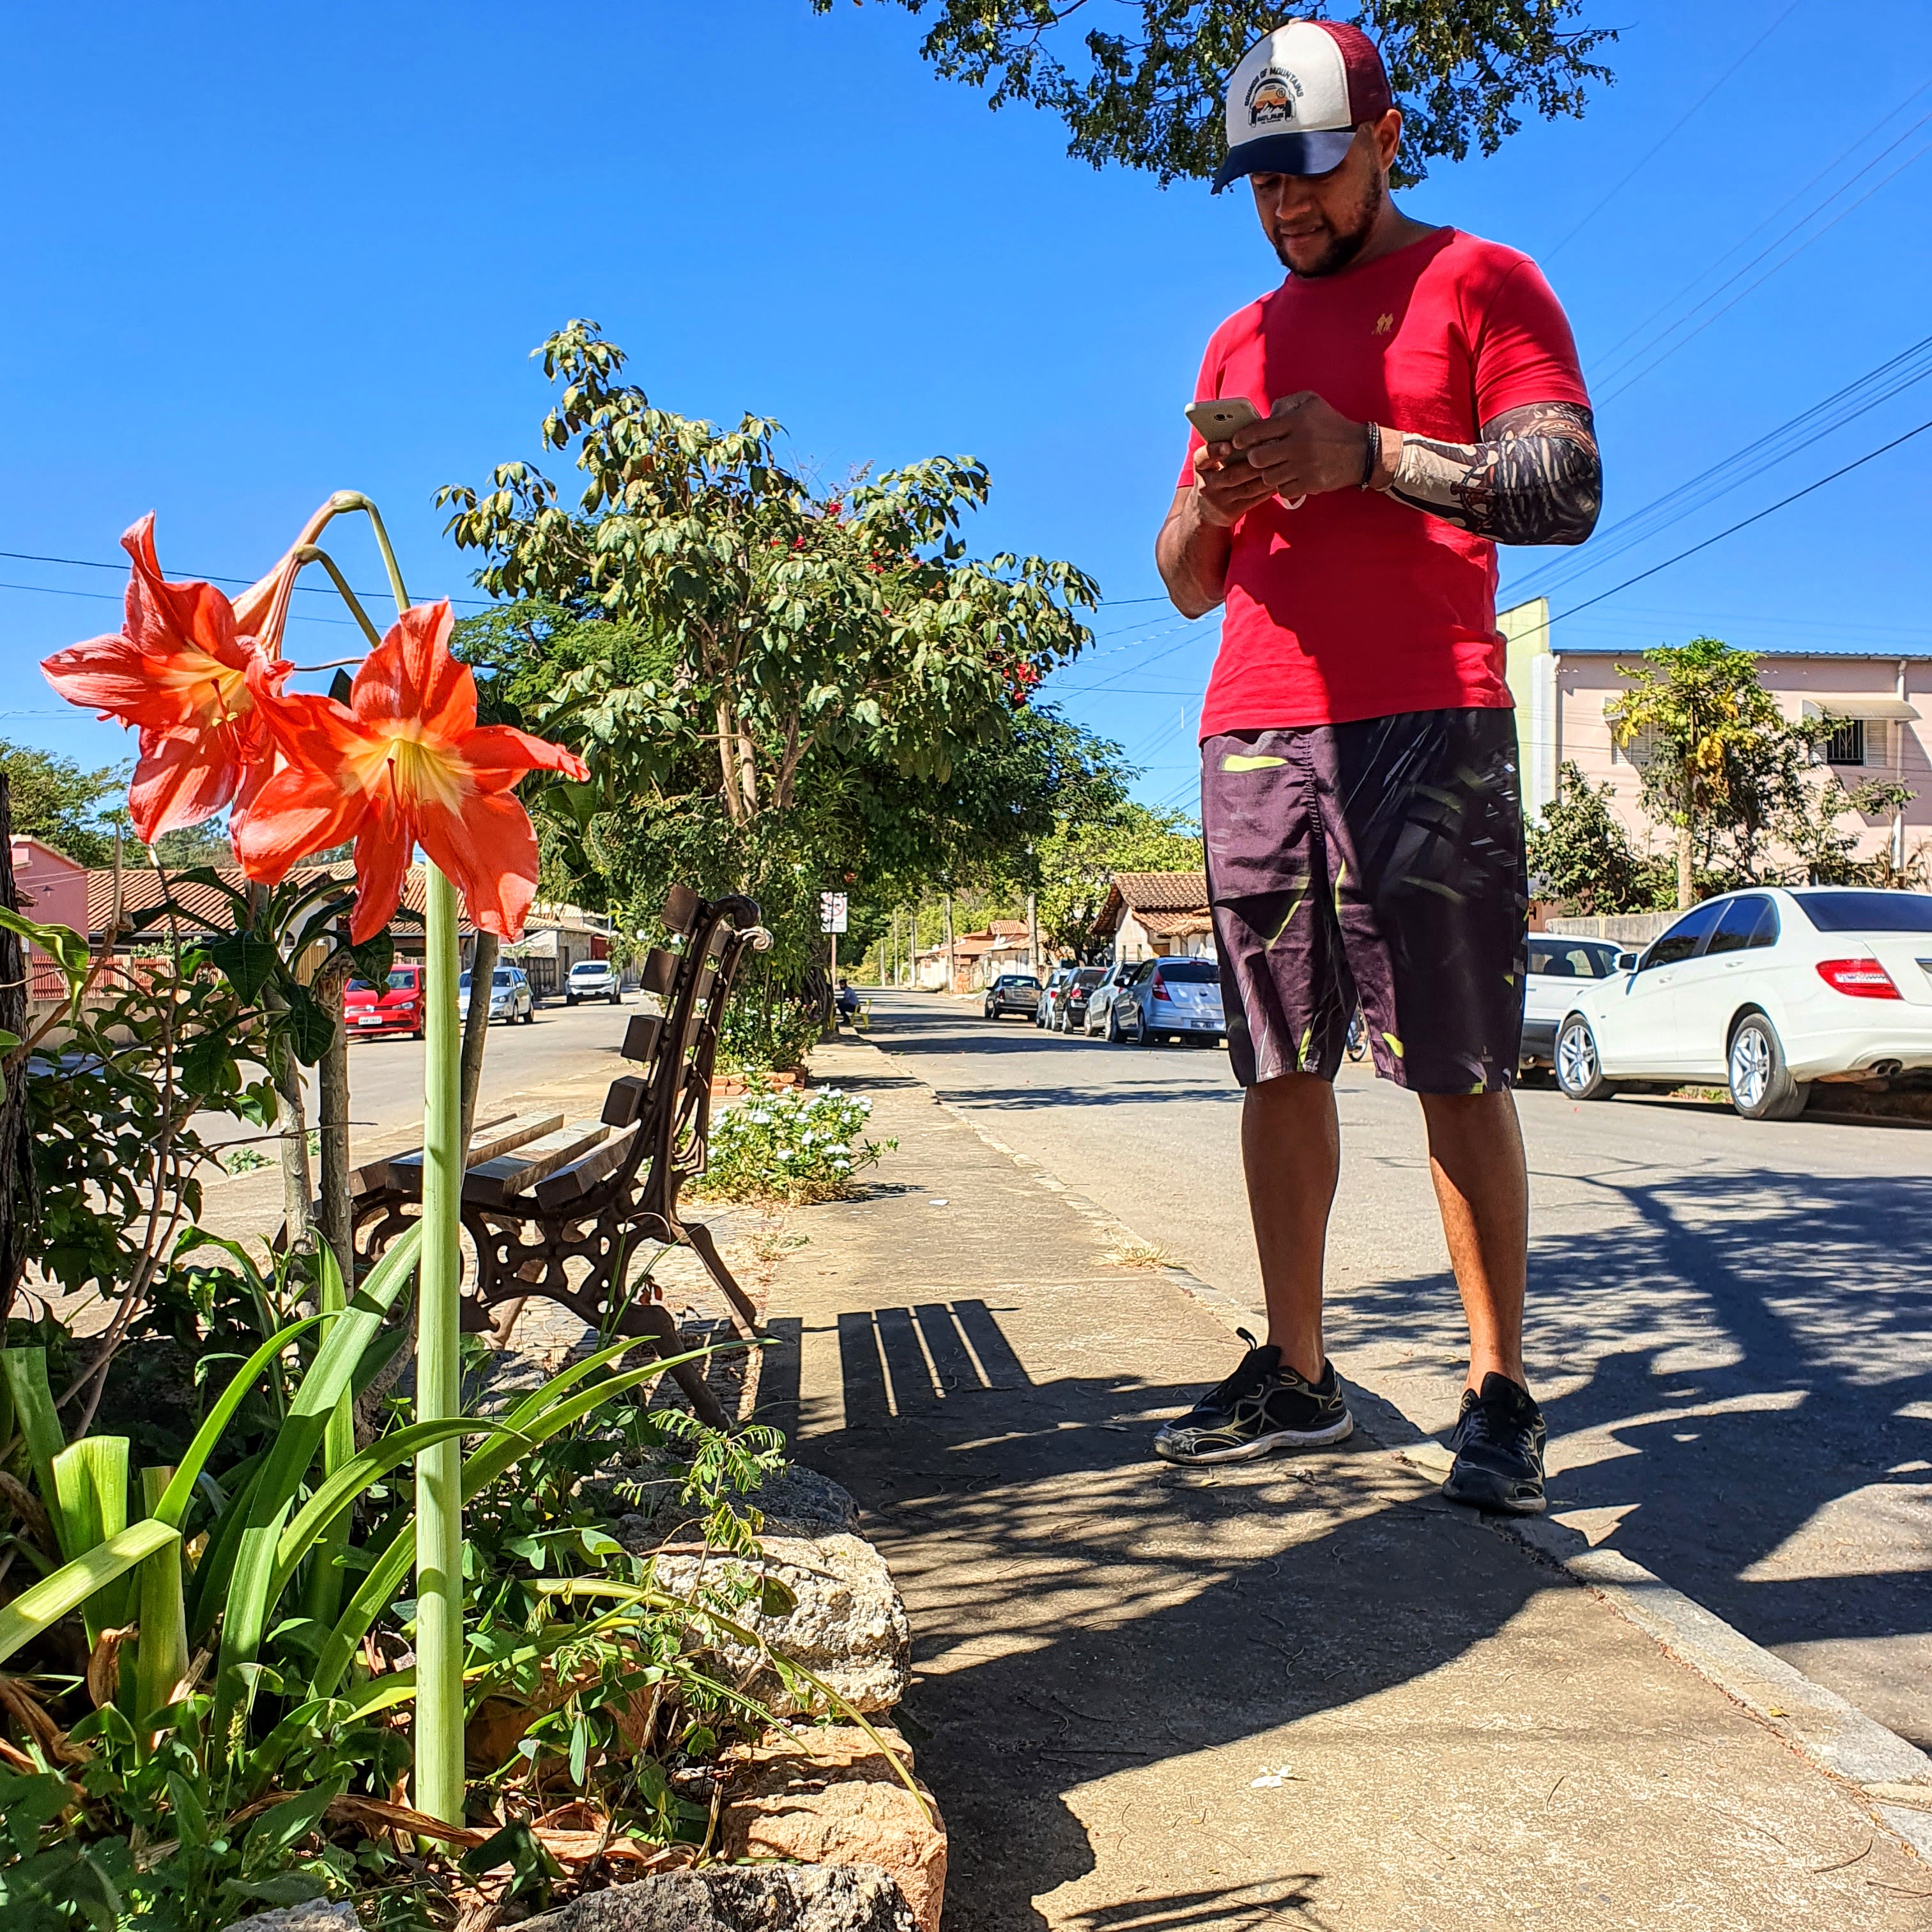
(1316,154)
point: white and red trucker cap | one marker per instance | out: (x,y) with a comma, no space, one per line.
(1297,98)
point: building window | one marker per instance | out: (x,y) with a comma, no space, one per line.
(1847,744)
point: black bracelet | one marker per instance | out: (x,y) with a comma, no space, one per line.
(1372,453)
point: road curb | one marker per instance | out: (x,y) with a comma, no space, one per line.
(1892,1777)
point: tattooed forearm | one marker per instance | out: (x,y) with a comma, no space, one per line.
(1535,477)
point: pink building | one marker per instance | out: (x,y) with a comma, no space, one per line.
(53,888)
(1878,704)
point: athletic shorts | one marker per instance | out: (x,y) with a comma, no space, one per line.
(1379,861)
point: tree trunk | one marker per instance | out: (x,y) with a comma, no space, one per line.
(476,1031)
(1686,887)
(332,1121)
(298,1186)
(16,1167)
(728,763)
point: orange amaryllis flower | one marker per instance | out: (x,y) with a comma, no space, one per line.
(404,764)
(188,668)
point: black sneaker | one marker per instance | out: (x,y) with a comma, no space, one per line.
(1499,1440)
(1261,1407)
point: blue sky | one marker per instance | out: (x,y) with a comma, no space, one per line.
(254,254)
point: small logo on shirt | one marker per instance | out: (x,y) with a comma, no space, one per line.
(1383,323)
(1271,97)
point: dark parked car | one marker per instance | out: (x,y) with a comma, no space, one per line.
(1057,979)
(1069,1003)
(1168,999)
(1013,993)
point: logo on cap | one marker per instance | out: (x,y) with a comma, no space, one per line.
(1271,97)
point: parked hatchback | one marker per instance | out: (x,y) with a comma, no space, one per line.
(395,1006)
(1013,993)
(1043,1012)
(593,979)
(1102,996)
(1069,1007)
(1168,999)
(510,995)
(1768,990)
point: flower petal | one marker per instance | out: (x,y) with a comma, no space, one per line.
(182,777)
(114,676)
(297,811)
(163,617)
(411,674)
(490,851)
(500,755)
(382,848)
(261,610)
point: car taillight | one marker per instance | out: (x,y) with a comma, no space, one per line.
(1160,991)
(1862,979)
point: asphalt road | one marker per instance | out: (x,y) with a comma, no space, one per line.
(1730,1323)
(386,1075)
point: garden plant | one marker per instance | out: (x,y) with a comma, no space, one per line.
(292,1648)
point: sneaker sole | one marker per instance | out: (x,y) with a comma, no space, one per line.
(1265,1445)
(1492,1501)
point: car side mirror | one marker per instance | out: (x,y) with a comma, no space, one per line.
(1627,962)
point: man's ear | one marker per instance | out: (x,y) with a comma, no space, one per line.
(1387,133)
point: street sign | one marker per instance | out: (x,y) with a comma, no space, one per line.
(831,912)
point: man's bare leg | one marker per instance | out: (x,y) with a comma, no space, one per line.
(1482,1185)
(1292,1153)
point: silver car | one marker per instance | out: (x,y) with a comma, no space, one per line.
(1102,996)
(1167,999)
(510,995)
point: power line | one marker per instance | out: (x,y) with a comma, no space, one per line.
(1890,378)
(113,597)
(1858,462)
(1650,153)
(90,563)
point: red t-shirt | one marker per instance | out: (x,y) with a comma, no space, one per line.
(1354,605)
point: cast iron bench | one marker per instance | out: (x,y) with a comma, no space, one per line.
(540,1192)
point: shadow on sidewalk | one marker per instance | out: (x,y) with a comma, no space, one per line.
(1756,1352)
(1080,1609)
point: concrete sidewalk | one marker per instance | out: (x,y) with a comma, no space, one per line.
(1297,1693)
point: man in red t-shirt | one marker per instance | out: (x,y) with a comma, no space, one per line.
(1418,400)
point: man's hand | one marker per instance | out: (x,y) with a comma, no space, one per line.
(1303,448)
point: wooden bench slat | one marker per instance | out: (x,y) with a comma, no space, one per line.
(641,1035)
(573,1182)
(508,1131)
(492,1183)
(680,909)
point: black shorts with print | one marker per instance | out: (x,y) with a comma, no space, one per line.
(1379,861)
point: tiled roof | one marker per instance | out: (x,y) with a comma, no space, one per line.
(1163,892)
(202,907)
(1175,925)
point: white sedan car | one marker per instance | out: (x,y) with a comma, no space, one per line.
(1768,990)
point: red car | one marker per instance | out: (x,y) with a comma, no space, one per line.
(395,1008)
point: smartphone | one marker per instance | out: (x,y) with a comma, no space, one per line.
(1219,417)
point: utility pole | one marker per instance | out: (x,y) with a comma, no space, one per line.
(952,956)
(1032,936)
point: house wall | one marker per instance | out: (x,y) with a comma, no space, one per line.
(1582,685)
(53,888)
(1132,941)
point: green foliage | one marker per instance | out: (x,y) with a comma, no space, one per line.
(1581,856)
(777,689)
(1822,829)
(61,803)
(50,1881)
(769,1035)
(1151,97)
(790,1146)
(1077,860)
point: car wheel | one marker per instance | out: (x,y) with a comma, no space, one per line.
(1142,1037)
(1113,1028)
(1762,1088)
(1579,1069)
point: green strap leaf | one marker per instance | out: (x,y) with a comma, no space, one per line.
(44,1603)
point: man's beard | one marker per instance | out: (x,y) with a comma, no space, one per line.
(1345,243)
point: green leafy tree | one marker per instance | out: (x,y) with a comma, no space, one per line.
(1825,846)
(1722,764)
(1141,81)
(63,803)
(1078,860)
(1581,856)
(777,689)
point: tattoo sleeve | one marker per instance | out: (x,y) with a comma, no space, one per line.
(1535,477)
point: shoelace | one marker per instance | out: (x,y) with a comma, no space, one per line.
(1245,1379)
(1486,1427)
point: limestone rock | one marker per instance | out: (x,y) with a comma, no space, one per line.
(827,1796)
(847,1625)
(799,1501)
(740,1898)
(794,1502)
(316,1915)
